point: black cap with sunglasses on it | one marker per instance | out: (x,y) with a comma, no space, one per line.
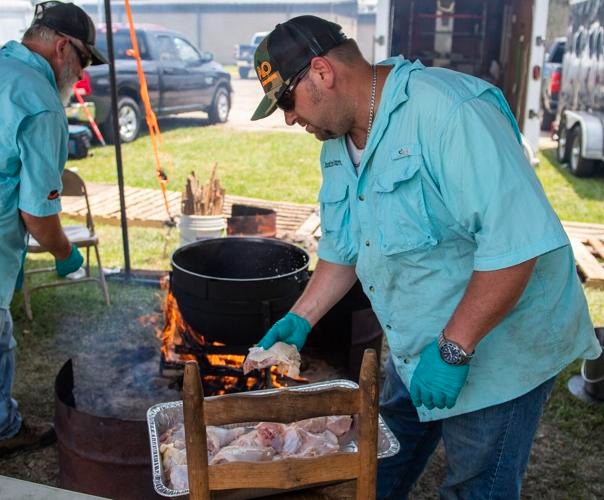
(282,58)
(69,19)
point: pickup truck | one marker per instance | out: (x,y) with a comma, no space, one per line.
(179,78)
(551,78)
(244,54)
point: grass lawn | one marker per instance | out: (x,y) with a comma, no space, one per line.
(271,166)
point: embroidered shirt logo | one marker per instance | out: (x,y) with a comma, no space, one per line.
(333,163)
(53,195)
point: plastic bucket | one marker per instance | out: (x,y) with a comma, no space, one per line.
(200,227)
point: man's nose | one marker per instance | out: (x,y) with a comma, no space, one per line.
(290,117)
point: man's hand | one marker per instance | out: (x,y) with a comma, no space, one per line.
(72,263)
(436,383)
(291,329)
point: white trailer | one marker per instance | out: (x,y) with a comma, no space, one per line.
(499,40)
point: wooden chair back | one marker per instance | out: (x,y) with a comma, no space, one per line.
(284,406)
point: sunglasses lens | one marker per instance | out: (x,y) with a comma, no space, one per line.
(286,101)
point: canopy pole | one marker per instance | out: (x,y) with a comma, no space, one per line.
(117,141)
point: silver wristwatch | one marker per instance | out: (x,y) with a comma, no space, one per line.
(451,352)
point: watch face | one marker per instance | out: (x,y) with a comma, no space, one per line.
(451,353)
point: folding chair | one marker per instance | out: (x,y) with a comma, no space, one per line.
(283,406)
(80,236)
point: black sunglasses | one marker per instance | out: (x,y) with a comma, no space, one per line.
(85,59)
(286,100)
(41,7)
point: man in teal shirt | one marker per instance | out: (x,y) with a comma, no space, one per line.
(37,79)
(428,200)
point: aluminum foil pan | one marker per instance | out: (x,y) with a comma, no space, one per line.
(162,416)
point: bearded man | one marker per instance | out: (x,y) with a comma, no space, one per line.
(38,75)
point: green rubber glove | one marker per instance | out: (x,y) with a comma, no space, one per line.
(436,383)
(72,263)
(291,329)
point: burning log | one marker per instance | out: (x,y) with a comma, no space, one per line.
(203,200)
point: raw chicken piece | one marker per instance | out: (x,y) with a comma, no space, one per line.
(179,479)
(174,435)
(338,424)
(299,443)
(172,456)
(271,434)
(233,453)
(285,356)
(219,436)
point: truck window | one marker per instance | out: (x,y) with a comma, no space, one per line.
(558,54)
(122,43)
(186,52)
(258,39)
(166,48)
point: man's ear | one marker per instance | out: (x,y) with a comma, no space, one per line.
(60,49)
(324,70)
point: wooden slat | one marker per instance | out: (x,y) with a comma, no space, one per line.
(310,225)
(598,246)
(282,406)
(284,474)
(589,266)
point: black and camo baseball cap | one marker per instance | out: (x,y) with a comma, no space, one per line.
(286,51)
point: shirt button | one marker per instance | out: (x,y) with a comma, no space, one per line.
(367,243)
(388,327)
(372,288)
(406,361)
(361,197)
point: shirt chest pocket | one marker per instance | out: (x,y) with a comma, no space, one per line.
(335,207)
(400,206)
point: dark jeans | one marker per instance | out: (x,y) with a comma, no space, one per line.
(487,450)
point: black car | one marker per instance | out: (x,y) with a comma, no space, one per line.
(179,79)
(550,83)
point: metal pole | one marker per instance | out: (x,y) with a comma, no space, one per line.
(118,148)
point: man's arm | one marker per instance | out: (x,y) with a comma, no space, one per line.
(489,296)
(49,233)
(328,284)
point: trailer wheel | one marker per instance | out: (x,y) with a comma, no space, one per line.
(562,147)
(579,166)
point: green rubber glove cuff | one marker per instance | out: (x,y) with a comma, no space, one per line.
(291,329)
(436,383)
(72,263)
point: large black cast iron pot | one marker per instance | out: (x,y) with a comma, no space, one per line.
(231,290)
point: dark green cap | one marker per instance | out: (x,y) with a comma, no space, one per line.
(286,51)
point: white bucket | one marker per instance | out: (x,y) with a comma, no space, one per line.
(200,227)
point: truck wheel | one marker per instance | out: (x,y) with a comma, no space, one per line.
(219,112)
(129,120)
(579,166)
(562,147)
(243,73)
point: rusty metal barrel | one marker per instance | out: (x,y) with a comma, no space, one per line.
(102,456)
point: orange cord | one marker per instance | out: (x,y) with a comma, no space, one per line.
(154,132)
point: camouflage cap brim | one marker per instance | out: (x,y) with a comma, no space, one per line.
(266,107)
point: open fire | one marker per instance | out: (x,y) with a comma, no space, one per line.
(220,365)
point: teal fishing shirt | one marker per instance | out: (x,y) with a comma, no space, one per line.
(33,152)
(443,190)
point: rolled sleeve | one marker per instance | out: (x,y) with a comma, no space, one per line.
(42,150)
(491,190)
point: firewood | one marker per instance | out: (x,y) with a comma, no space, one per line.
(207,199)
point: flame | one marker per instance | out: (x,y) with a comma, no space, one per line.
(171,338)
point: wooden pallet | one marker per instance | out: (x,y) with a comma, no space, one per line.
(145,207)
(589,256)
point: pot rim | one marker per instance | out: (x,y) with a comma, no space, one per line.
(258,240)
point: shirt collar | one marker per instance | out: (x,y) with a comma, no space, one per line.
(16,50)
